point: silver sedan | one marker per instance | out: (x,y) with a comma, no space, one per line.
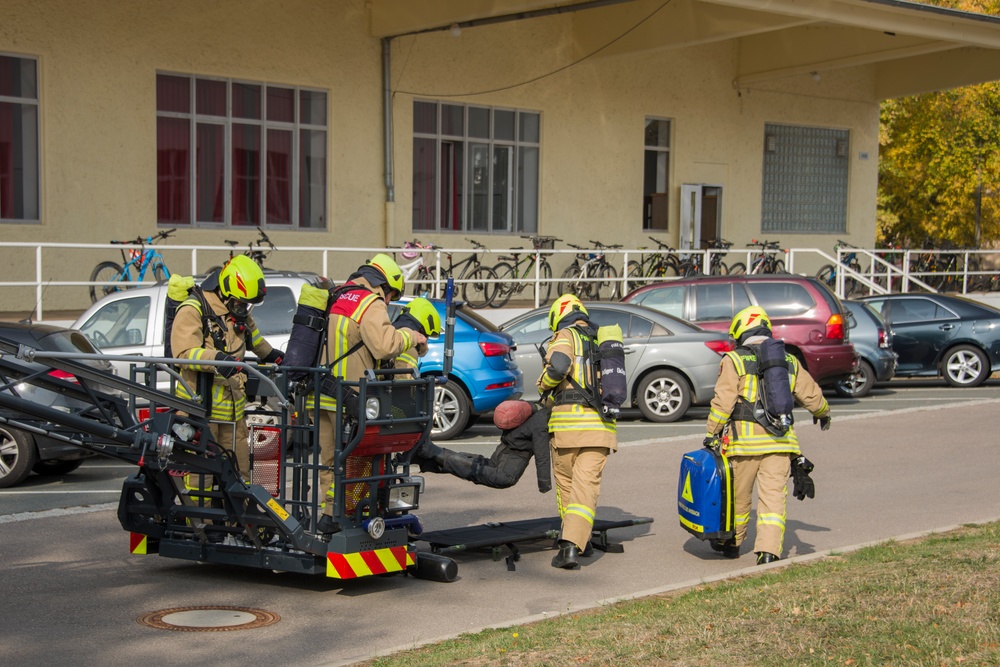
(670,363)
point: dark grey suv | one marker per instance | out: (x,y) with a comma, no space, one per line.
(872,338)
(22,452)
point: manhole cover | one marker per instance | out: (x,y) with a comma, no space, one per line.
(208,619)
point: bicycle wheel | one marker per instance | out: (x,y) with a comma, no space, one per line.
(666,269)
(737,269)
(688,269)
(633,271)
(505,290)
(778,267)
(160,272)
(607,284)
(719,269)
(545,288)
(108,276)
(482,288)
(828,276)
(571,283)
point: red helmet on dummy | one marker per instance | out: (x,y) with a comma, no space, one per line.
(511,414)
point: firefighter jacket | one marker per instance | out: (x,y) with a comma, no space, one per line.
(531,439)
(573,422)
(748,438)
(188,340)
(360,316)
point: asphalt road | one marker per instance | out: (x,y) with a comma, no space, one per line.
(914,456)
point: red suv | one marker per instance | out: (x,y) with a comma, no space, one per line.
(803,311)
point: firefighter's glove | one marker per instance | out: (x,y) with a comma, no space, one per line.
(712,442)
(824,422)
(804,487)
(274,357)
(226,371)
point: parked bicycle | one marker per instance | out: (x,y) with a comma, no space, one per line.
(111,277)
(591,277)
(477,281)
(693,265)
(656,265)
(255,250)
(828,272)
(764,260)
(516,273)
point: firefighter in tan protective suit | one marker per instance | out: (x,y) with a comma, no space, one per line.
(360,337)
(581,439)
(757,456)
(231,331)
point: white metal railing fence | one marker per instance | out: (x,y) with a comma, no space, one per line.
(28,271)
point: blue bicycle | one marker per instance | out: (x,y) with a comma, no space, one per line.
(828,273)
(109,277)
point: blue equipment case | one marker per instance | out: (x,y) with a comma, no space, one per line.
(705,495)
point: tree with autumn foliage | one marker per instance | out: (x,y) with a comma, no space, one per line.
(939,162)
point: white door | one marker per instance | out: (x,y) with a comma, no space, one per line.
(690,236)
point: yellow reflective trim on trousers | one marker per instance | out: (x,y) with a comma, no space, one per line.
(559,504)
(771,520)
(582,511)
(742,519)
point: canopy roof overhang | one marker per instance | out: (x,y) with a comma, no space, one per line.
(913,48)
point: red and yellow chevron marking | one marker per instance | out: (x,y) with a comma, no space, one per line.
(137,543)
(366,563)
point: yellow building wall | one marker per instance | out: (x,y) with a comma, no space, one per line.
(97,73)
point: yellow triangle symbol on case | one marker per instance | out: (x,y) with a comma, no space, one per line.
(686,493)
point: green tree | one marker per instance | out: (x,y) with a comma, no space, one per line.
(939,161)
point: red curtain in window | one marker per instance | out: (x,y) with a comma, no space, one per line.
(246,174)
(279,177)
(210,166)
(423,184)
(173,196)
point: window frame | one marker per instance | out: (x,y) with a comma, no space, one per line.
(461,145)
(297,128)
(35,102)
(647,197)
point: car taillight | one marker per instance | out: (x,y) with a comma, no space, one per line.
(883,338)
(835,327)
(63,375)
(720,347)
(500,385)
(494,349)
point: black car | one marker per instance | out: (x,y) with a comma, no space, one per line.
(939,334)
(872,338)
(22,452)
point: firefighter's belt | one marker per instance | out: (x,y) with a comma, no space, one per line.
(743,412)
(572,397)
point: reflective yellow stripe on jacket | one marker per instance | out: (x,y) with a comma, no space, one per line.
(575,417)
(341,345)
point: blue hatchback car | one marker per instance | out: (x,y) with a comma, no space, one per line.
(483,373)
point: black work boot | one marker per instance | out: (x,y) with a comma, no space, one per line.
(327,526)
(727,548)
(765,557)
(588,550)
(567,556)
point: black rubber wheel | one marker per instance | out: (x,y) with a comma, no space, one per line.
(570,282)
(17,455)
(504,273)
(545,288)
(779,267)
(663,396)
(737,269)
(482,288)
(688,269)
(160,273)
(452,411)
(859,384)
(107,275)
(828,276)
(56,467)
(965,366)
(607,287)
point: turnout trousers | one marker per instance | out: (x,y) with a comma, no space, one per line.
(770,473)
(578,473)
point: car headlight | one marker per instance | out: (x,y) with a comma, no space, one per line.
(372,408)
(403,497)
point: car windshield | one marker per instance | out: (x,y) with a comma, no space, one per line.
(274,315)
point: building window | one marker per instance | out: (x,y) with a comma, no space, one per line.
(475,169)
(655,175)
(804,179)
(238,153)
(19,149)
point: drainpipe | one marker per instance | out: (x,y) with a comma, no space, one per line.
(390,188)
